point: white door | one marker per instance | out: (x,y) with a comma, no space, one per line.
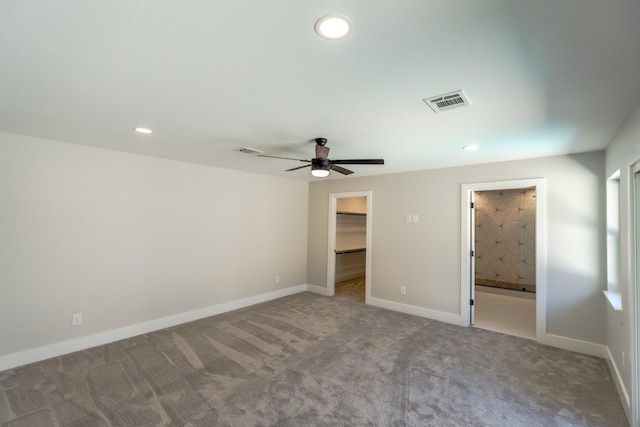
(472,263)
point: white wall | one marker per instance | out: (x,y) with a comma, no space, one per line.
(621,154)
(425,256)
(125,239)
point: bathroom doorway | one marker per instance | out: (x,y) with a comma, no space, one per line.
(505,261)
(502,272)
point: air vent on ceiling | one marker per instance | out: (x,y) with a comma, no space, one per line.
(247,150)
(447,101)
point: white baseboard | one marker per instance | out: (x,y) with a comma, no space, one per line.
(21,358)
(579,346)
(442,316)
(617,379)
(318,290)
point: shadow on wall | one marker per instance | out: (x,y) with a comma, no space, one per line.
(579,299)
(576,268)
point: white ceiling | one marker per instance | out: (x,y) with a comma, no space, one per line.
(209,77)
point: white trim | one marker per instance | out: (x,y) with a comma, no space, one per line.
(318,290)
(417,311)
(633,287)
(472,259)
(541,246)
(331,240)
(578,346)
(331,245)
(617,379)
(13,360)
(615,299)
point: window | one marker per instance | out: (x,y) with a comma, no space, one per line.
(613,292)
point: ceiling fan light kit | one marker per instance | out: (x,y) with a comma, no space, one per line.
(320,168)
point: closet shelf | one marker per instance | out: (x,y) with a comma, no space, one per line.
(350,213)
(350,251)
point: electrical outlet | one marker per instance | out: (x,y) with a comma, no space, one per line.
(407,218)
(415,218)
(403,290)
(277,279)
(76,319)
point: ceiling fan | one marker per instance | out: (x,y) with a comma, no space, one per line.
(320,165)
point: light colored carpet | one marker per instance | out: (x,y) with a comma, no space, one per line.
(309,360)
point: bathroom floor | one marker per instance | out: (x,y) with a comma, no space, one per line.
(513,314)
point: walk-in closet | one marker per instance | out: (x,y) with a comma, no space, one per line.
(351,248)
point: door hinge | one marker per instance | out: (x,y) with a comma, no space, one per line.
(473,205)
(473,253)
(470,302)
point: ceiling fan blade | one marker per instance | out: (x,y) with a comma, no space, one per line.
(322,152)
(299,167)
(284,158)
(359,162)
(341,170)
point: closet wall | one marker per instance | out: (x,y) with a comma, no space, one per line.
(505,239)
(351,229)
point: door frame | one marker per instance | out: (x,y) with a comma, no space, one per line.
(331,246)
(472,259)
(541,246)
(633,291)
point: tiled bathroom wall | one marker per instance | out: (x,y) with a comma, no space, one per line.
(505,239)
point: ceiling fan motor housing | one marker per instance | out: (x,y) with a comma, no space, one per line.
(320,164)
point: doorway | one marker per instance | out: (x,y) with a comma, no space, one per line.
(349,213)
(496,275)
(351,248)
(504,255)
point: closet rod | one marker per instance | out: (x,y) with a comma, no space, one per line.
(350,251)
(350,213)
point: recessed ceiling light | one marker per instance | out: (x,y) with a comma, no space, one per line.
(333,27)
(143,130)
(470,147)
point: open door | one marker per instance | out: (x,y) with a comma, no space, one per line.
(472,260)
